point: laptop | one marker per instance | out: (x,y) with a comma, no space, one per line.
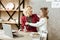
(7,30)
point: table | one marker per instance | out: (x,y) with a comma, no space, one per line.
(22,36)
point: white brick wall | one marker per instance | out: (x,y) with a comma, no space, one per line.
(54,18)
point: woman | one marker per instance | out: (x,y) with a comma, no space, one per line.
(28,17)
(42,24)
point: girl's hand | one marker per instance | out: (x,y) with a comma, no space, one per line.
(26,23)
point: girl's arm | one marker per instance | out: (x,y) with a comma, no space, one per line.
(38,24)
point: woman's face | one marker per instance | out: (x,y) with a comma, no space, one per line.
(30,11)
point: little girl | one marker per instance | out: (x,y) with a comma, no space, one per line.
(42,24)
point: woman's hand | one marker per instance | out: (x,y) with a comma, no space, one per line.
(26,23)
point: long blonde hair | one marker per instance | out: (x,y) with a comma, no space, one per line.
(26,10)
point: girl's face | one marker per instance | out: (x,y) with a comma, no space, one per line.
(41,13)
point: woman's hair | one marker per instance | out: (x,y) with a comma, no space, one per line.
(26,10)
(28,6)
(45,12)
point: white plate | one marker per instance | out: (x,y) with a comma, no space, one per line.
(9,6)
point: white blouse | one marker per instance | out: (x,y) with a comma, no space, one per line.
(42,25)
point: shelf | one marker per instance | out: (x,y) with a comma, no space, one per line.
(9,22)
(10,10)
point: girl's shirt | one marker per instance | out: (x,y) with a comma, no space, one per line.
(42,25)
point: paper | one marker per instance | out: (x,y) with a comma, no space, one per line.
(50,0)
(55,4)
(57,0)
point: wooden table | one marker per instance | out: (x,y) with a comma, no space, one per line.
(23,35)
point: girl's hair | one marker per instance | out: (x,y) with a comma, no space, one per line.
(45,12)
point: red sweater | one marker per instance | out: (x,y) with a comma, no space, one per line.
(34,18)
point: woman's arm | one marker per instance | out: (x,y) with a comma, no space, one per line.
(38,24)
